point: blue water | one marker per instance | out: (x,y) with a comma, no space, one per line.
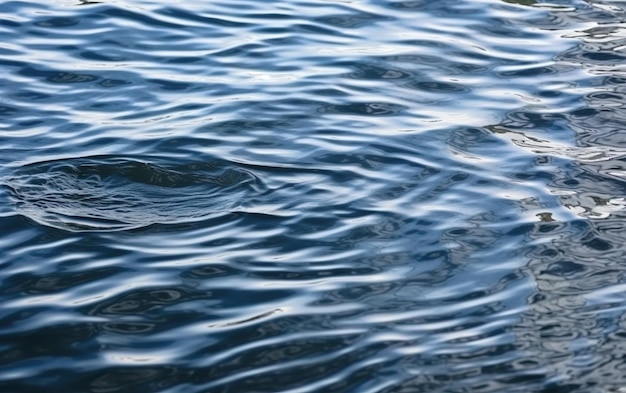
(313,196)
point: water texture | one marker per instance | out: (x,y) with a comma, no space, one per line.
(313,196)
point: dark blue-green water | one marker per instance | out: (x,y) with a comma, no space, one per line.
(366,196)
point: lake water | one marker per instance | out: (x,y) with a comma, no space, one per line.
(369,196)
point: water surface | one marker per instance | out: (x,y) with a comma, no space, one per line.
(312,196)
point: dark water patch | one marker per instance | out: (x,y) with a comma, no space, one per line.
(30,95)
(373,72)
(249,50)
(108,193)
(29,283)
(57,22)
(58,76)
(352,20)
(11,63)
(99,56)
(365,109)
(438,87)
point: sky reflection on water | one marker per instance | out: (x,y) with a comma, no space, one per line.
(305,196)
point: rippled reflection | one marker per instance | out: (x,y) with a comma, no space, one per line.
(380,196)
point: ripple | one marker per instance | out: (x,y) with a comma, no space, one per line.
(110,193)
(306,196)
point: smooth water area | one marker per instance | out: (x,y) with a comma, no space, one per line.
(313,196)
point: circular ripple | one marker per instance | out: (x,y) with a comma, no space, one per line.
(109,193)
